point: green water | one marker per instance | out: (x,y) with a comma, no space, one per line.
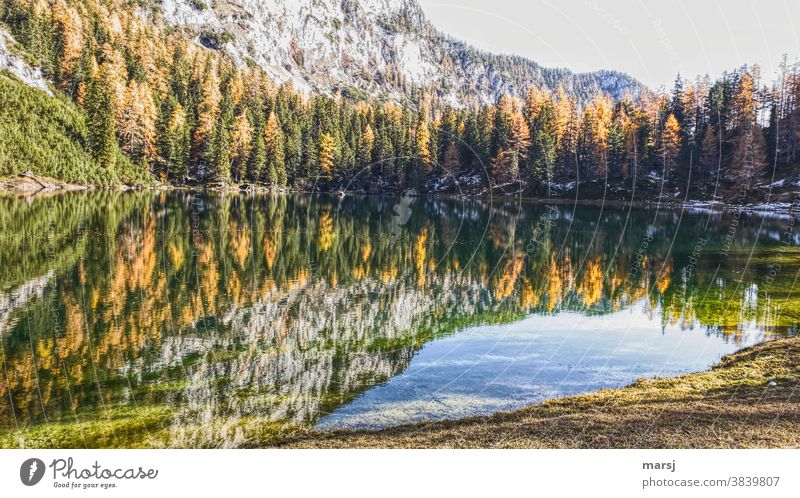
(179,319)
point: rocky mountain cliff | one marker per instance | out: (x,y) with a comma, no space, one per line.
(384,48)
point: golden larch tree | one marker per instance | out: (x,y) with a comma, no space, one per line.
(327,154)
(137,128)
(240,145)
(670,145)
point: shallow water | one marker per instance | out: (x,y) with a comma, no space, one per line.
(494,368)
(180,319)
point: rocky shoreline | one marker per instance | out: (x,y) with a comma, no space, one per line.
(27,184)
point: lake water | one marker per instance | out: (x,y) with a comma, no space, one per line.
(195,320)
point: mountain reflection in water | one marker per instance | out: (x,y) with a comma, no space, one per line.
(189,320)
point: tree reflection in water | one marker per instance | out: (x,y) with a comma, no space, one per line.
(179,319)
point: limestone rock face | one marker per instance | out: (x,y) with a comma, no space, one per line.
(375,47)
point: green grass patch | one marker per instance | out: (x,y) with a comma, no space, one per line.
(46,135)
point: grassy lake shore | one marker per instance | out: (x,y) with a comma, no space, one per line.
(733,405)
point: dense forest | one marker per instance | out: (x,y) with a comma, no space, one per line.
(189,115)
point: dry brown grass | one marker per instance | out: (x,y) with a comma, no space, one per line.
(729,406)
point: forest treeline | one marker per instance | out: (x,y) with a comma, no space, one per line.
(190,115)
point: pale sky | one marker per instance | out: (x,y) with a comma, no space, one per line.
(650,40)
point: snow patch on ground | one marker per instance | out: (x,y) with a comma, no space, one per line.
(25,72)
(776,184)
(563,187)
(653,175)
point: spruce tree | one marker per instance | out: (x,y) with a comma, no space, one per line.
(165,140)
(257,158)
(543,147)
(101,130)
(616,150)
(749,156)
(709,160)
(218,168)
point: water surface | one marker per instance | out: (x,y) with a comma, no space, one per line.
(181,319)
